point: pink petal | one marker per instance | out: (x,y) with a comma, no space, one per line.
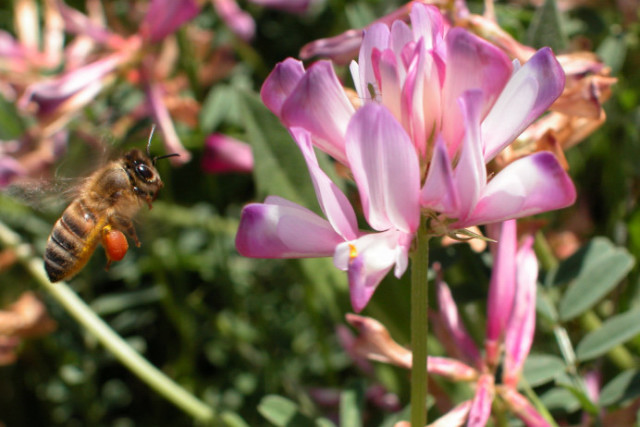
(163,119)
(49,94)
(439,192)
(375,37)
(368,259)
(333,202)
(224,154)
(501,288)
(165,16)
(341,49)
(389,82)
(481,406)
(238,21)
(281,229)
(421,98)
(472,63)
(319,104)
(449,316)
(385,168)
(531,185)
(78,23)
(426,22)
(455,417)
(531,90)
(280,83)
(521,328)
(470,173)
(451,369)
(522,408)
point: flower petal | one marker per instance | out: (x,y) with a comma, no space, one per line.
(450,317)
(375,37)
(530,91)
(368,259)
(280,83)
(521,328)
(333,202)
(319,104)
(385,167)
(470,173)
(282,229)
(224,154)
(472,63)
(502,286)
(481,406)
(166,16)
(426,23)
(531,185)
(439,191)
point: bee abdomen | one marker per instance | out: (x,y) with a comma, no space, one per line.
(71,242)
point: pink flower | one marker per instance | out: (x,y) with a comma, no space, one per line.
(510,326)
(438,105)
(224,154)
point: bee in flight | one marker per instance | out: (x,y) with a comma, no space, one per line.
(102,212)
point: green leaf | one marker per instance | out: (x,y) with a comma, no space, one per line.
(546,28)
(571,384)
(613,51)
(216,107)
(351,401)
(542,368)
(282,412)
(559,398)
(614,331)
(603,267)
(11,125)
(624,387)
(279,166)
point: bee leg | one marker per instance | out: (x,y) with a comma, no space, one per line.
(125,225)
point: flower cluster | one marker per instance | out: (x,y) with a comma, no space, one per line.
(510,328)
(417,143)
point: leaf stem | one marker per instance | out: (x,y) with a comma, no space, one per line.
(79,310)
(419,328)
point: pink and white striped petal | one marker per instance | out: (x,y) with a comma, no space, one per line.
(470,174)
(530,185)
(527,95)
(280,83)
(386,170)
(481,406)
(368,259)
(439,192)
(279,228)
(333,202)
(521,328)
(319,104)
(472,63)
(501,288)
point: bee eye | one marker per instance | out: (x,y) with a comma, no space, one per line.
(144,172)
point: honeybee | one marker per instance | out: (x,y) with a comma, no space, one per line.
(102,212)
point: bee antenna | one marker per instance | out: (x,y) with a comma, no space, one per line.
(156,158)
(153,128)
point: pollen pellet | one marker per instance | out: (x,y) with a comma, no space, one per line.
(115,244)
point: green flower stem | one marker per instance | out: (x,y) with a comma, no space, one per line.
(419,328)
(105,335)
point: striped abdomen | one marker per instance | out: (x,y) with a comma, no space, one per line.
(72,241)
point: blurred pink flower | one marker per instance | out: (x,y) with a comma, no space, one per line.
(418,146)
(224,154)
